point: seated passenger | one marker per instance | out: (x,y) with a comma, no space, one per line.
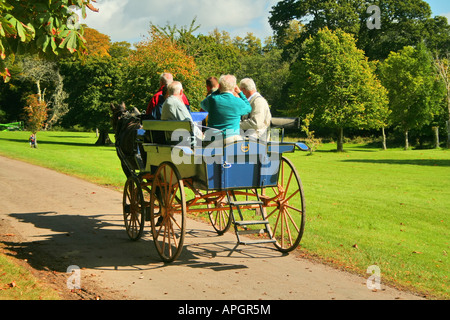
(257,123)
(174,108)
(164,80)
(212,85)
(156,113)
(226,107)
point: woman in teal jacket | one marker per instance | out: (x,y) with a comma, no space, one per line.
(226,106)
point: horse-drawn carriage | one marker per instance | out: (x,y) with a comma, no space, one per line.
(246,184)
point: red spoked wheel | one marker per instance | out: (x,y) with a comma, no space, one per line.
(286,210)
(133,208)
(220,218)
(168,212)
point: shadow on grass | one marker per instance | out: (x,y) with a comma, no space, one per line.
(64,143)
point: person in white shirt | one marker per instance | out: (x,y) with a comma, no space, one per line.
(257,123)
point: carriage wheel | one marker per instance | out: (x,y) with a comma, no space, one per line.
(220,219)
(287,219)
(168,212)
(133,208)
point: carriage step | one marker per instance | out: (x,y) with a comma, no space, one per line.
(244,203)
(250,223)
(250,242)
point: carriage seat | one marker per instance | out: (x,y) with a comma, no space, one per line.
(170,133)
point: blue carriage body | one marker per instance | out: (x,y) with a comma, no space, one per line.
(245,164)
(239,165)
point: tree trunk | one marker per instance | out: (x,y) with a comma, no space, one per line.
(436,137)
(448,134)
(384,139)
(340,140)
(38,85)
(406,140)
(103,139)
(445,76)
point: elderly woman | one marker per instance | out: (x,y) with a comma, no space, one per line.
(226,106)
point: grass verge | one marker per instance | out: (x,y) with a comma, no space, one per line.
(17,283)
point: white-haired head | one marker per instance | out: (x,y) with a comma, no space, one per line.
(165,79)
(227,83)
(248,84)
(175,88)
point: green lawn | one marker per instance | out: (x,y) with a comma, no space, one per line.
(364,206)
(67,152)
(386,208)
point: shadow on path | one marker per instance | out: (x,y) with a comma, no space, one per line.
(100,242)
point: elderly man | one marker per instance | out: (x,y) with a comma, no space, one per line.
(257,123)
(174,108)
(226,106)
(164,80)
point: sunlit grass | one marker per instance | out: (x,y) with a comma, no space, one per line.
(67,152)
(387,208)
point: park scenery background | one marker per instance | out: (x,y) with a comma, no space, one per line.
(370,85)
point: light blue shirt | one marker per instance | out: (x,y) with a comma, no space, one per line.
(174,109)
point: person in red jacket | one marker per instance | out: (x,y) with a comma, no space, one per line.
(164,80)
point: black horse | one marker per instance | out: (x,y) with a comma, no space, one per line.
(126,124)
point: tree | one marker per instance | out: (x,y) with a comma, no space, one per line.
(414,89)
(121,49)
(44,72)
(47,27)
(442,65)
(36,114)
(39,71)
(250,45)
(403,23)
(336,83)
(98,44)
(57,103)
(89,100)
(269,72)
(14,92)
(437,37)
(153,56)
(315,15)
(214,54)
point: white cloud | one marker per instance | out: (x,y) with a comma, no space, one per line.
(129,19)
(447,15)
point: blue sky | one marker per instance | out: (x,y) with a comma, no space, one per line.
(128,20)
(440,7)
